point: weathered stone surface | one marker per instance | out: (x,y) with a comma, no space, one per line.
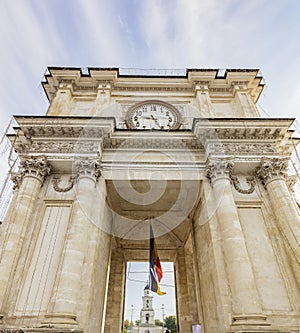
(215,190)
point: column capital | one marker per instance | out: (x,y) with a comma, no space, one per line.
(88,168)
(271,169)
(219,168)
(31,166)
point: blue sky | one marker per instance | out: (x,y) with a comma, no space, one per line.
(260,34)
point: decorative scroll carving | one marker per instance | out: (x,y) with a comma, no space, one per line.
(16,179)
(236,183)
(219,168)
(291,182)
(272,168)
(90,168)
(56,181)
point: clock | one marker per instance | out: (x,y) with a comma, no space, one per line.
(153,115)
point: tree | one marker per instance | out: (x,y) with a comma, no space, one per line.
(127,324)
(157,322)
(170,322)
(137,322)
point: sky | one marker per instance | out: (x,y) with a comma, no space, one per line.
(148,34)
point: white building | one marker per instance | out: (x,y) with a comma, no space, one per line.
(147,324)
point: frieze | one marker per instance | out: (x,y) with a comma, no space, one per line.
(163,89)
(152,143)
(58,147)
(243,148)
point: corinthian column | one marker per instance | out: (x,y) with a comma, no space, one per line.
(28,181)
(245,300)
(64,300)
(272,172)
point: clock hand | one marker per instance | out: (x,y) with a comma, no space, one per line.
(155,120)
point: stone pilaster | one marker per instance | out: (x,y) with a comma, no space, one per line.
(63,304)
(272,172)
(203,99)
(103,97)
(27,182)
(61,103)
(116,291)
(243,100)
(245,300)
(183,300)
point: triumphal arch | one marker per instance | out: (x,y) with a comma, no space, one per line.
(187,152)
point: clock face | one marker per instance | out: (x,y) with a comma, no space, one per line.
(153,115)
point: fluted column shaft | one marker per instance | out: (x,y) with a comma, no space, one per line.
(272,172)
(63,303)
(28,181)
(242,283)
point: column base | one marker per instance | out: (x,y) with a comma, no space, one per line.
(57,319)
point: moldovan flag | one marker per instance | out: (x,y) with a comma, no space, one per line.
(155,273)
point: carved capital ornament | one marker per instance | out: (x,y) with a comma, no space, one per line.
(271,169)
(87,168)
(36,167)
(219,168)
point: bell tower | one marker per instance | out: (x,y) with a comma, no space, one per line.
(147,311)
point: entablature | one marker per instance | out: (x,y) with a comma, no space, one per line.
(62,139)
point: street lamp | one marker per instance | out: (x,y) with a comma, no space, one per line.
(163,317)
(131,323)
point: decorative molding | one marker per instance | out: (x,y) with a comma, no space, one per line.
(247,133)
(152,143)
(243,148)
(58,147)
(56,180)
(236,183)
(88,168)
(218,168)
(63,131)
(162,89)
(271,169)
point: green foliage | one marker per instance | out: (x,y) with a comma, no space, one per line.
(157,322)
(170,322)
(126,324)
(137,322)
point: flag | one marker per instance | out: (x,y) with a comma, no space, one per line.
(155,273)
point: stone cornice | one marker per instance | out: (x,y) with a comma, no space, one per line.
(87,80)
